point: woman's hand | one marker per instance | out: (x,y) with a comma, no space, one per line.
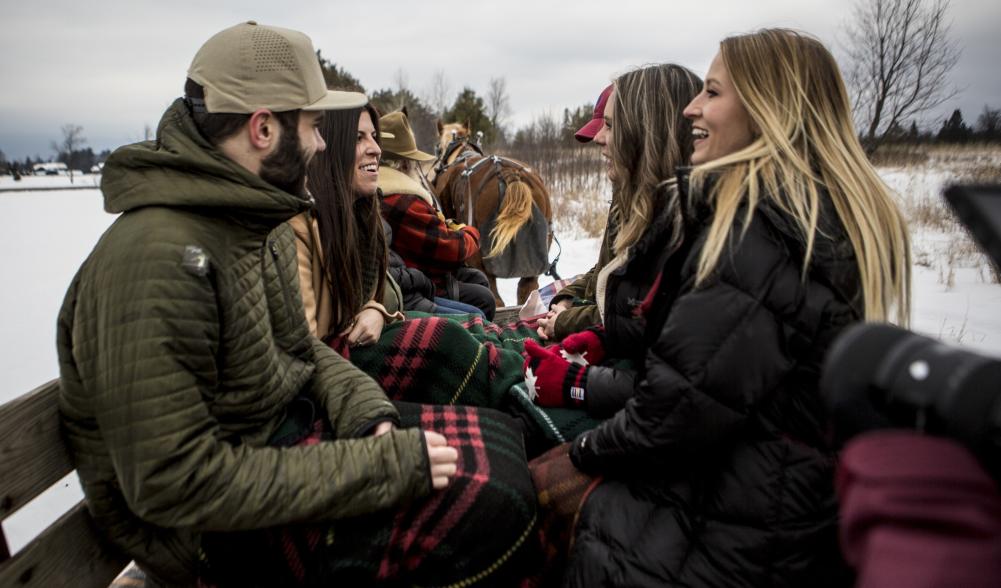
(441,458)
(366,328)
(547,325)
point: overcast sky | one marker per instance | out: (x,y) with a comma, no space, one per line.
(113,67)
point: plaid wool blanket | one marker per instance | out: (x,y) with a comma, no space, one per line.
(465,360)
(478,531)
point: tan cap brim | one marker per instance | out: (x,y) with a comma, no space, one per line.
(418,155)
(415,154)
(339,100)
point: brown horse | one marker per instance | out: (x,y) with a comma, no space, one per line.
(504,199)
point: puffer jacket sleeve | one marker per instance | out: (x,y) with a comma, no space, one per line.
(582,316)
(720,352)
(352,400)
(608,390)
(578,288)
(575,319)
(156,366)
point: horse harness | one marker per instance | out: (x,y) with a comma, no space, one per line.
(505,170)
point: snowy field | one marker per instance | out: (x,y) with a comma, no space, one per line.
(47,234)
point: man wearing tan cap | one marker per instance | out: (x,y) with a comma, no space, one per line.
(186,361)
(421,235)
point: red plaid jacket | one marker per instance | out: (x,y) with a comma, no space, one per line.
(423,239)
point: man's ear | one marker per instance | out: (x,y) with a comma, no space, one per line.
(262,129)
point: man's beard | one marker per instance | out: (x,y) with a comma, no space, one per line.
(285,169)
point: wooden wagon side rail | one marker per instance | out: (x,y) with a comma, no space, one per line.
(506,314)
(33,457)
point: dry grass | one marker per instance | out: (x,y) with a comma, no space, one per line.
(917,173)
(577,185)
(899,155)
(940,242)
(982,173)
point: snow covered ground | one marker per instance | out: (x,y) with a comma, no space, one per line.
(47,234)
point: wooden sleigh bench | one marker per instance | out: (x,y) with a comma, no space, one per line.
(34,457)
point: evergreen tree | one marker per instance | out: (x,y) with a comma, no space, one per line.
(470,110)
(338,78)
(422,120)
(954,130)
(575,119)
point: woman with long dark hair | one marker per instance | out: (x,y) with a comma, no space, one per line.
(476,529)
(342,254)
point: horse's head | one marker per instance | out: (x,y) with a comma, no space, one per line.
(451,132)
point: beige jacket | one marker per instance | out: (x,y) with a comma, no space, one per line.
(315,290)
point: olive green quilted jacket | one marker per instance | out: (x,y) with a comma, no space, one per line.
(182,339)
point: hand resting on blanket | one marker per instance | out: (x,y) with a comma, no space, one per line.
(442,459)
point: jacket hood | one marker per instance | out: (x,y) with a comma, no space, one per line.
(393,181)
(182,169)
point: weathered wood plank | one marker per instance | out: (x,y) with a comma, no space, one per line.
(33,456)
(506,314)
(68,553)
(4,551)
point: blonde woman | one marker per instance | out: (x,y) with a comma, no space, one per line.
(718,470)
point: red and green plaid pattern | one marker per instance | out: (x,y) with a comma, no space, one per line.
(424,240)
(479,530)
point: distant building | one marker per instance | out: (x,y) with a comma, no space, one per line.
(96,169)
(52,168)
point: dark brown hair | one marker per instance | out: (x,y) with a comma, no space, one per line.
(216,127)
(350,224)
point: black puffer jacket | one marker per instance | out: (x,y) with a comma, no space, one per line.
(718,470)
(417,289)
(608,388)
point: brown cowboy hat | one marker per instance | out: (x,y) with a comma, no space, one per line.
(402,143)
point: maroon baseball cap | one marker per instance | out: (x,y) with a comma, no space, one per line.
(587,132)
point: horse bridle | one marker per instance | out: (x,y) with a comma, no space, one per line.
(454,145)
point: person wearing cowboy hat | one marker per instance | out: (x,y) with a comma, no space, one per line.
(422,236)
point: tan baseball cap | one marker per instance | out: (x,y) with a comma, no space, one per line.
(401,140)
(251,66)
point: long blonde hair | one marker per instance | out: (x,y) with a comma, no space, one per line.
(804,141)
(650,138)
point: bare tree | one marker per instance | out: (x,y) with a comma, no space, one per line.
(401,80)
(73,141)
(899,55)
(439,93)
(989,123)
(498,104)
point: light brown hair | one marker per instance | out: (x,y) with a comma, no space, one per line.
(805,142)
(650,138)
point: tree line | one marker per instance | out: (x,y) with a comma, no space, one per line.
(897,60)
